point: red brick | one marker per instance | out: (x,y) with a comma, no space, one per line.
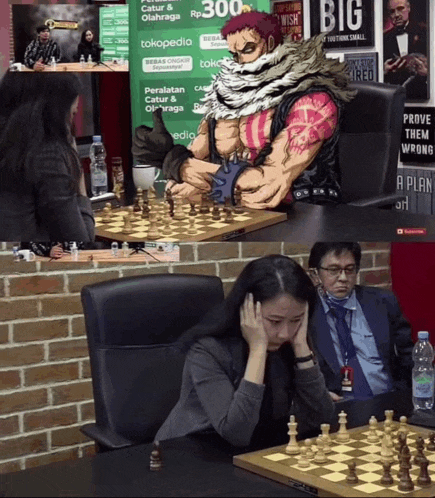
(4,333)
(2,287)
(9,267)
(88,411)
(143,270)
(76,282)
(66,415)
(366,260)
(9,426)
(199,269)
(231,269)
(10,379)
(16,309)
(291,249)
(10,448)
(40,330)
(64,265)
(186,253)
(73,392)
(68,305)
(382,259)
(86,369)
(375,277)
(78,326)
(25,400)
(377,246)
(22,355)
(7,467)
(67,437)
(259,249)
(89,451)
(216,250)
(28,286)
(46,374)
(73,348)
(57,456)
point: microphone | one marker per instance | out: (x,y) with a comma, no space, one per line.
(100,48)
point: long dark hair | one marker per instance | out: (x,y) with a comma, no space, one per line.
(265,278)
(34,110)
(83,37)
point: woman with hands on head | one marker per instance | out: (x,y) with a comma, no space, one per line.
(250,364)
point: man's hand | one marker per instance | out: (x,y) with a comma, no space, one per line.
(335,397)
(56,252)
(150,145)
(394,65)
(420,65)
(184,190)
(39,65)
(198,173)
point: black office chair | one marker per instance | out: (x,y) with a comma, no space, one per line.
(136,371)
(369,145)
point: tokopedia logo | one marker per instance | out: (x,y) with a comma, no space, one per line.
(181,42)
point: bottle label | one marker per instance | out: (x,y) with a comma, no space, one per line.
(423,386)
(99,180)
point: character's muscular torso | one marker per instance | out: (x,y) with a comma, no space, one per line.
(311,120)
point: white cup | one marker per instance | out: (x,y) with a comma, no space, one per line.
(27,254)
(144,176)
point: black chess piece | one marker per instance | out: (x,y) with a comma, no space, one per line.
(405,483)
(419,456)
(352,478)
(156,457)
(424,478)
(387,478)
(431,444)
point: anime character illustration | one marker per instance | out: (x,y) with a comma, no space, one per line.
(270,124)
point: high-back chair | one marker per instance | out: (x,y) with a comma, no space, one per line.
(369,145)
(131,324)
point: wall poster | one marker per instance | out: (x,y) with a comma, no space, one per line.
(406,46)
(348,23)
(290,13)
(362,66)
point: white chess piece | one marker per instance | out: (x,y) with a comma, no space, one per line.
(342,435)
(320,456)
(303,461)
(373,425)
(292,448)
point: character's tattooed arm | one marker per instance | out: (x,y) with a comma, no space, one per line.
(311,121)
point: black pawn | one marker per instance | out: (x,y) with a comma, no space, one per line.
(387,478)
(170,201)
(424,478)
(431,444)
(192,211)
(405,483)
(419,456)
(352,478)
(156,457)
(215,214)
(145,210)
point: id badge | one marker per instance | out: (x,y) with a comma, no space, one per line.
(346,378)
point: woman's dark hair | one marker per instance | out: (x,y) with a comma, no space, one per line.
(34,110)
(83,37)
(265,278)
(321,249)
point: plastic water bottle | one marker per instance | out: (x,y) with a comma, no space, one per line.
(53,63)
(82,61)
(114,248)
(89,60)
(74,252)
(97,154)
(125,249)
(423,373)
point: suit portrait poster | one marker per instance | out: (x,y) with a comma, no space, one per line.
(406,46)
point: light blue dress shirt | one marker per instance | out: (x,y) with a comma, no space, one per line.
(365,344)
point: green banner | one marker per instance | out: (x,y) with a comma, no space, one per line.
(114,32)
(175,48)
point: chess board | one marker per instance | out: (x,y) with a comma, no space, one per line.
(205,227)
(329,479)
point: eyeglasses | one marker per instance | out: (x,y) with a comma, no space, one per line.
(335,271)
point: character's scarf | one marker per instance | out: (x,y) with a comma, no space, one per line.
(245,89)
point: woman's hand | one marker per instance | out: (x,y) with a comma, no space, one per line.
(251,324)
(56,252)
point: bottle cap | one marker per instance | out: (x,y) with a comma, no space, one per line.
(74,245)
(96,138)
(423,335)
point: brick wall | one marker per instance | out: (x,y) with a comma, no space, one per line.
(45,380)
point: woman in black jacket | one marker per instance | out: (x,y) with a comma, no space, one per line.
(42,189)
(88,47)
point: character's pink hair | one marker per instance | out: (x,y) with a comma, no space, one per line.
(264,24)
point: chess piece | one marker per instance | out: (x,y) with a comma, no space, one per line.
(145,210)
(401,441)
(423,478)
(387,478)
(203,208)
(352,478)
(292,448)
(405,483)
(303,461)
(170,201)
(167,223)
(403,427)
(431,445)
(156,457)
(373,435)
(229,215)
(419,456)
(326,444)
(325,432)
(136,206)
(192,211)
(389,418)
(320,456)
(238,209)
(127,224)
(178,210)
(387,453)
(153,232)
(342,435)
(107,216)
(310,453)
(192,229)
(215,214)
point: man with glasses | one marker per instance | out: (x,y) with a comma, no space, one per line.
(362,341)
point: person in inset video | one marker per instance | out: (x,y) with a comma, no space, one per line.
(89,47)
(361,338)
(405,50)
(39,52)
(276,105)
(42,188)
